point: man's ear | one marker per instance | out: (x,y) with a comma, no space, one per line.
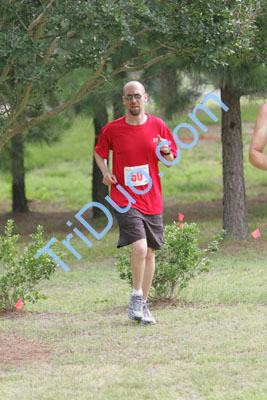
(146,97)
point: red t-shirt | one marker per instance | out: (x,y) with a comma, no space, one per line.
(135,146)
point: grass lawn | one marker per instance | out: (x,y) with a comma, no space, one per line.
(79,343)
(211,345)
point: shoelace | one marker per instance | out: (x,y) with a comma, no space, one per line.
(146,309)
(138,303)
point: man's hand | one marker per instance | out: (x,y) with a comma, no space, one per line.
(164,148)
(109,179)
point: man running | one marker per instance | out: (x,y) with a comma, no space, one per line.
(133,139)
(259,140)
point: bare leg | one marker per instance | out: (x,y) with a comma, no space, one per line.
(138,257)
(149,272)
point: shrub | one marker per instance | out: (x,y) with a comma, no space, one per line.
(179,261)
(21,272)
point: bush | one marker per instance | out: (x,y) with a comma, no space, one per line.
(179,261)
(21,272)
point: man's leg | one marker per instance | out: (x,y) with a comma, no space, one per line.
(147,281)
(149,272)
(138,257)
(138,262)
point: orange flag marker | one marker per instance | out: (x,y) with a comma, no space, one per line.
(256,233)
(19,304)
(180,217)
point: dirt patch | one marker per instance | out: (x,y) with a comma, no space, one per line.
(201,210)
(48,214)
(15,349)
(193,211)
(167,303)
(32,315)
(26,223)
(54,221)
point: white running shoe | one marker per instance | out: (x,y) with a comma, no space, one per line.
(147,318)
(136,308)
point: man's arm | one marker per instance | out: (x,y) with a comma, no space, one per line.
(259,140)
(108,177)
(166,149)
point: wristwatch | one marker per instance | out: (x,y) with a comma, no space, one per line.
(166,154)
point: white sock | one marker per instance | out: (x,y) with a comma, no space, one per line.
(137,292)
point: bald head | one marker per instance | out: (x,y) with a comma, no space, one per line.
(134,86)
(134,99)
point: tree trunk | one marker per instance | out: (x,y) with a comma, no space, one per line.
(234,194)
(117,103)
(100,191)
(118,107)
(168,90)
(19,201)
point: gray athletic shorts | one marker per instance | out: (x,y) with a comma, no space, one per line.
(134,225)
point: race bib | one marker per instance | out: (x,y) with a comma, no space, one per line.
(137,178)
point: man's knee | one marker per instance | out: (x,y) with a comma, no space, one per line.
(139,248)
(150,255)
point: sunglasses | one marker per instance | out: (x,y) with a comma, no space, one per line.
(137,96)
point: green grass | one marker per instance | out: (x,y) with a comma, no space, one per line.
(249,111)
(210,347)
(65,169)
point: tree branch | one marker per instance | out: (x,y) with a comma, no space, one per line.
(62,75)
(4,105)
(48,37)
(2,22)
(147,64)
(138,33)
(6,70)
(41,95)
(22,23)
(22,105)
(53,46)
(40,30)
(38,20)
(145,53)
(50,51)
(126,67)
(86,85)
(86,88)
(174,49)
(4,138)
(82,92)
